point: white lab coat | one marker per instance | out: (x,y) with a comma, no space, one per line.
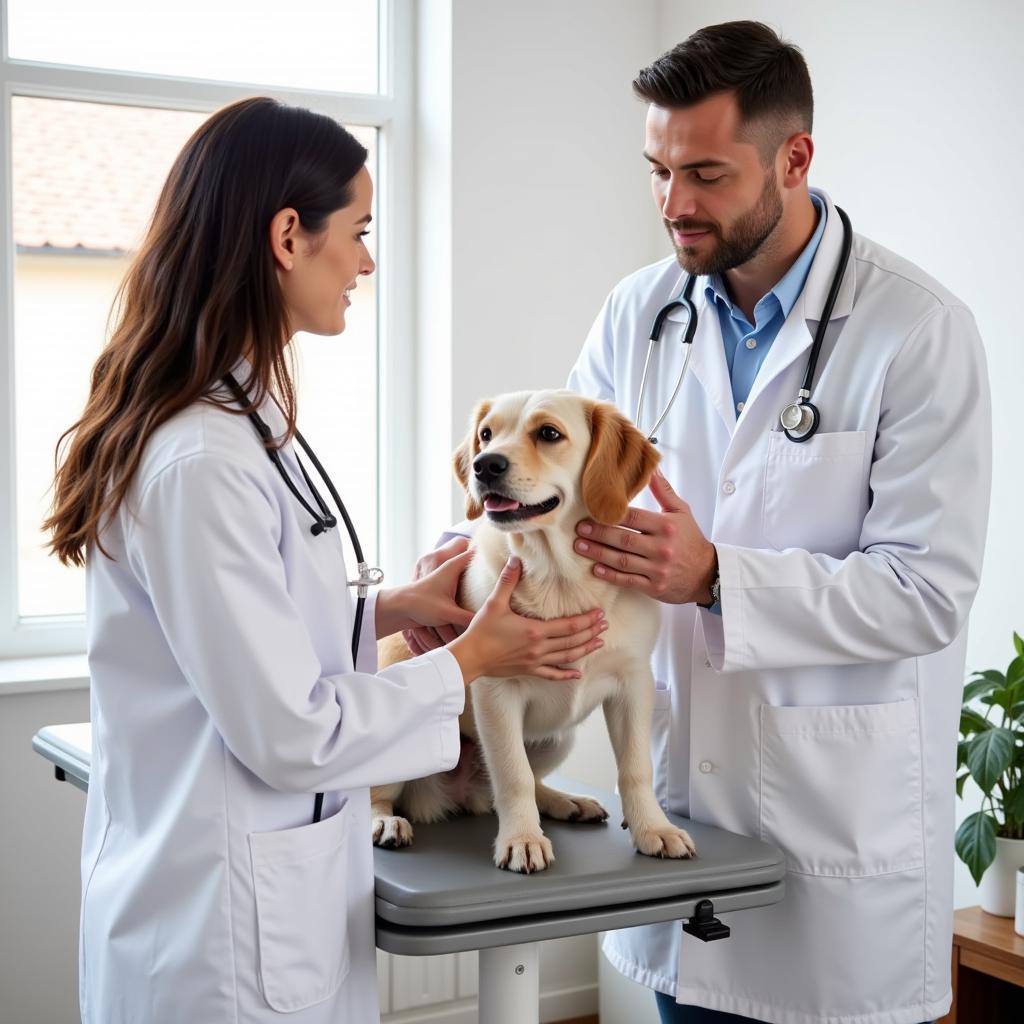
(820,711)
(223,698)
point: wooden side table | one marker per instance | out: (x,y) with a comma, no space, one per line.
(988,970)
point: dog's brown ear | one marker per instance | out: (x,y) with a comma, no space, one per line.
(462,460)
(619,464)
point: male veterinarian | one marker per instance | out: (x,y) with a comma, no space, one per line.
(815,573)
(815,588)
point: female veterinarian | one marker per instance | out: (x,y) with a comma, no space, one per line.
(228,687)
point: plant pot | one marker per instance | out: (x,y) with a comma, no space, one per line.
(999,883)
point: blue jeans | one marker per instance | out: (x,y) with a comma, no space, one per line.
(673,1013)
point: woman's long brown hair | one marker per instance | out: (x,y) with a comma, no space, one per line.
(201,292)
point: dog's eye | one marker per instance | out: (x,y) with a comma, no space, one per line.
(549,433)
(485,435)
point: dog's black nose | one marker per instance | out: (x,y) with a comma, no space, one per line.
(489,466)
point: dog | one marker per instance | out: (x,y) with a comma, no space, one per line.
(533,465)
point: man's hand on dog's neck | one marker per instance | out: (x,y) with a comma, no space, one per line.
(663,554)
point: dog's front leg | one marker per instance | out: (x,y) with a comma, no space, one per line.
(388,829)
(521,844)
(628,714)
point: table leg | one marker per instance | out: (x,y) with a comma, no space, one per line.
(510,984)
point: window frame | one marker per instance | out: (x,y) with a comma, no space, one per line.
(390,112)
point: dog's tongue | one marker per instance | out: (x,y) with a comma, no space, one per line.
(492,503)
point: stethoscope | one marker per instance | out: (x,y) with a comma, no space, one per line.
(800,419)
(323,520)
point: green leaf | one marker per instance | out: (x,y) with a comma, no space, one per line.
(997,677)
(960,780)
(1013,805)
(979,687)
(961,753)
(989,755)
(1018,644)
(1017,711)
(971,722)
(976,843)
(1014,694)
(1015,670)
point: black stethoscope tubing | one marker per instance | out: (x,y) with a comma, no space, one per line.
(323,521)
(800,419)
(804,397)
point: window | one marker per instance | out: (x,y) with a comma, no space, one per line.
(216,40)
(98,100)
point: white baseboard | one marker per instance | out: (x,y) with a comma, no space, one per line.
(561,1004)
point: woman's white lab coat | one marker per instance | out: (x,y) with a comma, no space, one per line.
(820,711)
(223,697)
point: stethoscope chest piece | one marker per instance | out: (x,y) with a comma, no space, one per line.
(799,420)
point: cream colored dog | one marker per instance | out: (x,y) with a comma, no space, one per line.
(536,463)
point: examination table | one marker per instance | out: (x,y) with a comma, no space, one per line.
(444,894)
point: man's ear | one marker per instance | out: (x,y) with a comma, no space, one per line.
(619,464)
(462,460)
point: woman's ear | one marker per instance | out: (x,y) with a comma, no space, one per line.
(284,228)
(462,460)
(619,464)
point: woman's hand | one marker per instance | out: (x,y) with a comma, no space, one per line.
(427,602)
(423,638)
(501,642)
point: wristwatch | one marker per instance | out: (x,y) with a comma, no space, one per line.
(716,593)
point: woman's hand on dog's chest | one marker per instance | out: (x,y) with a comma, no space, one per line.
(662,554)
(501,643)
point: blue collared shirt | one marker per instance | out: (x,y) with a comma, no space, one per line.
(746,344)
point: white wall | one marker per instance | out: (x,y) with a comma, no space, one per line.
(547,206)
(40,839)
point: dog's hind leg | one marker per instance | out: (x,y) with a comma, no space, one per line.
(544,758)
(427,800)
(553,803)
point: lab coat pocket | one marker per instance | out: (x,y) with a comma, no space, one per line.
(841,788)
(815,492)
(301,911)
(661,721)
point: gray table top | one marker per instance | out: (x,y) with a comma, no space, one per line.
(448,876)
(444,894)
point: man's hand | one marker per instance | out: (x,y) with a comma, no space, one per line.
(661,554)
(425,638)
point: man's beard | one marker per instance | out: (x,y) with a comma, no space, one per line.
(747,236)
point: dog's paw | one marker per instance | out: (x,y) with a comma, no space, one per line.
(569,807)
(664,841)
(391,832)
(524,853)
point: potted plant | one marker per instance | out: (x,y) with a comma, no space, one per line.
(991,749)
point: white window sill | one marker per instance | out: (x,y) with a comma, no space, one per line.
(42,675)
